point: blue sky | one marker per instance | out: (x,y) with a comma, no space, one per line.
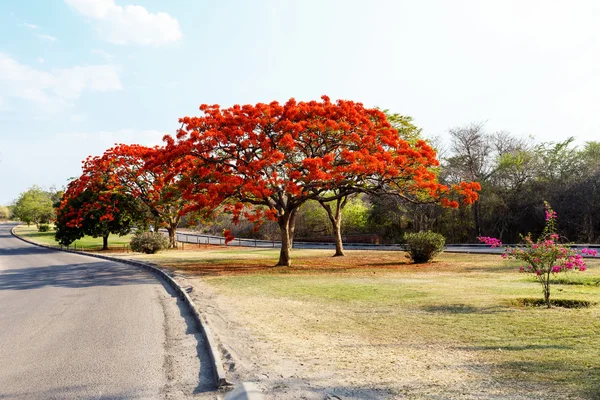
(77,76)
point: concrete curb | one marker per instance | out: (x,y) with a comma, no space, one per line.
(213,350)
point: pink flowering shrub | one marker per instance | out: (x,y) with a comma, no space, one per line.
(545,256)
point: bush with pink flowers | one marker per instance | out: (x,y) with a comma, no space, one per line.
(545,256)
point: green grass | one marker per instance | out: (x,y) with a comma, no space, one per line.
(467,303)
(87,242)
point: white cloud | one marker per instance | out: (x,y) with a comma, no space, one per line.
(48,38)
(54,89)
(129,24)
(30,26)
(101,53)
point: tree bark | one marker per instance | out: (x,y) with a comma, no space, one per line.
(286,245)
(105,242)
(336,223)
(545,281)
(172,236)
(476,219)
(292,227)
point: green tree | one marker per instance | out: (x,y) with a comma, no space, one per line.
(34,206)
(4,212)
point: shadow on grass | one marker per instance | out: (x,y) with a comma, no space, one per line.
(517,348)
(538,302)
(566,377)
(587,281)
(461,309)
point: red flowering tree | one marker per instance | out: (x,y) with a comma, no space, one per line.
(266,160)
(93,205)
(144,173)
(379,161)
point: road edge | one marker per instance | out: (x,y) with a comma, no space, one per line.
(213,350)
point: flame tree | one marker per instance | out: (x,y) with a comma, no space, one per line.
(93,205)
(266,160)
(143,173)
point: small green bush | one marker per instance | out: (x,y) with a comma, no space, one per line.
(423,246)
(148,242)
(44,228)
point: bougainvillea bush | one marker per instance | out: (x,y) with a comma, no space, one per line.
(546,256)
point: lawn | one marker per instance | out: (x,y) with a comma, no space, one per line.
(87,242)
(452,328)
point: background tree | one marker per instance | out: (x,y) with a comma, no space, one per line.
(143,173)
(5,212)
(95,205)
(34,206)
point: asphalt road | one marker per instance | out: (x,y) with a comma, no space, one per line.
(75,327)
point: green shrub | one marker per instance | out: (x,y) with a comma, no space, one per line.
(148,242)
(44,228)
(423,246)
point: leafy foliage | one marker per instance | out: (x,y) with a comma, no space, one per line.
(424,246)
(34,206)
(44,228)
(93,205)
(148,242)
(5,212)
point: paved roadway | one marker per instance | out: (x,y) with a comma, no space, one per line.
(76,327)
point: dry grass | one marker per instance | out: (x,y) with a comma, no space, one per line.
(448,328)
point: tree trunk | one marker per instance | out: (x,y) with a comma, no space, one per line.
(336,223)
(476,219)
(172,236)
(286,245)
(105,242)
(292,227)
(546,285)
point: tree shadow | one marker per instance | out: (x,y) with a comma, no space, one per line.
(565,374)
(74,391)
(25,251)
(516,348)
(78,275)
(460,309)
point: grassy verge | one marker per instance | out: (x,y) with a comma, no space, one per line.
(461,306)
(87,242)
